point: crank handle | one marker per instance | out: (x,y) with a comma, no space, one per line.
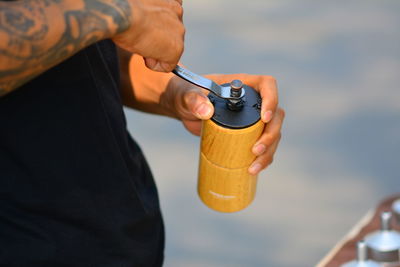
(234,91)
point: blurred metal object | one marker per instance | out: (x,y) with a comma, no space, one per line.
(384,244)
(218,90)
(396,210)
(362,258)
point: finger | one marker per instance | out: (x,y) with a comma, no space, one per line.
(271,133)
(193,127)
(166,62)
(261,162)
(269,94)
(198,104)
(157,65)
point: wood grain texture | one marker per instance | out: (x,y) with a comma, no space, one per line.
(229,148)
(224,183)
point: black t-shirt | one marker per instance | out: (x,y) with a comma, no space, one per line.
(75,189)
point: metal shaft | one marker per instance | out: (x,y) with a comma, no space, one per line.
(385,221)
(236,88)
(362,253)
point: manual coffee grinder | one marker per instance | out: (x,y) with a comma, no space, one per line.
(224,183)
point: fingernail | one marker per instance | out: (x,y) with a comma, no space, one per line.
(203,110)
(267,116)
(151,63)
(259,149)
(255,168)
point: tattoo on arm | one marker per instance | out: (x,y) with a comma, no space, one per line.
(37,34)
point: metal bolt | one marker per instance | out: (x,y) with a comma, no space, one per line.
(236,88)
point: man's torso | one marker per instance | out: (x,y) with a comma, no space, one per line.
(75,189)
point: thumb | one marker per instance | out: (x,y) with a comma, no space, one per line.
(198,104)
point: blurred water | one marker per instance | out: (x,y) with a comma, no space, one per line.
(338,68)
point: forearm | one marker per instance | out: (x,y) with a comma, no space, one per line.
(144,89)
(35,35)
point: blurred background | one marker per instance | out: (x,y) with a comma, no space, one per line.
(338,69)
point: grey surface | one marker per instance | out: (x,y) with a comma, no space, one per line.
(338,69)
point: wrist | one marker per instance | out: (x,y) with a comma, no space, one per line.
(121,14)
(108,18)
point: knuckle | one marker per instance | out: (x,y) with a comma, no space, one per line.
(281,112)
(177,8)
(273,101)
(181,31)
(179,11)
(179,1)
(274,136)
(180,48)
(270,138)
(279,137)
(271,160)
(178,45)
(266,161)
(271,79)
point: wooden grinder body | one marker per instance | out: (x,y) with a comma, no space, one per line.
(224,183)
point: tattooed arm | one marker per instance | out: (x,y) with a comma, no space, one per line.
(35,35)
